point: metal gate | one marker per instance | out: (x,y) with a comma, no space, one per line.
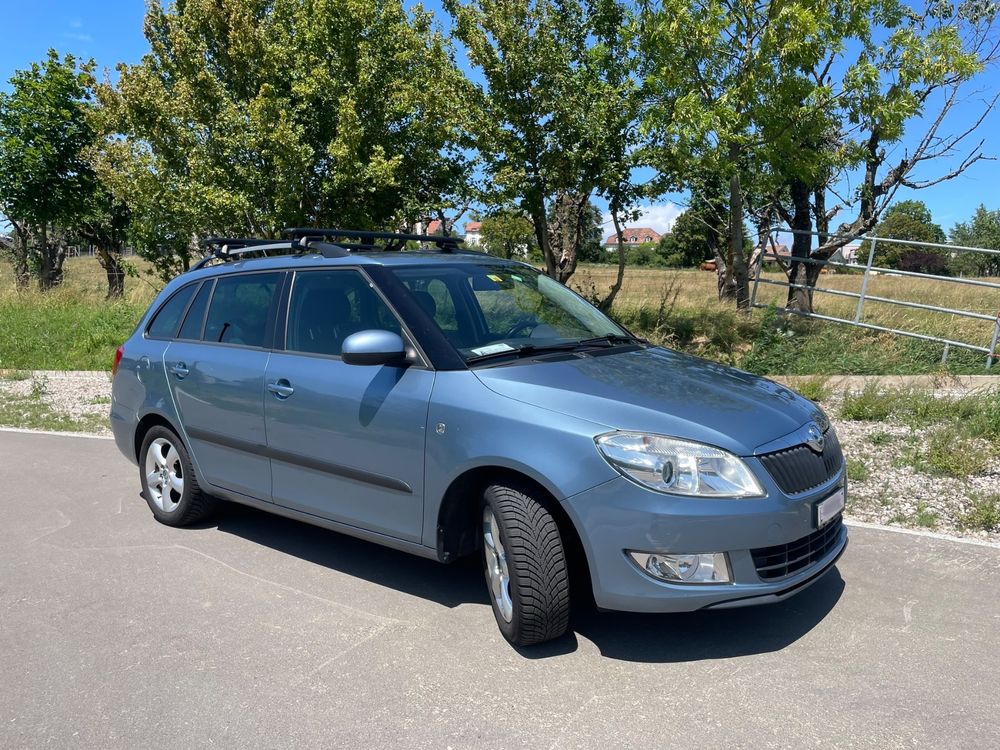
(863,296)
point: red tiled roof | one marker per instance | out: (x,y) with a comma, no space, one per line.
(434,227)
(639,232)
(473,226)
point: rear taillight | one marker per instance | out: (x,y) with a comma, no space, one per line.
(118,359)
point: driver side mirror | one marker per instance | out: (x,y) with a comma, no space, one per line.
(374,347)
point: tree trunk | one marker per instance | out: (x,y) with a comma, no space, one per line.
(19,257)
(723,268)
(536,208)
(741,277)
(801,273)
(609,300)
(110,261)
(51,257)
(566,232)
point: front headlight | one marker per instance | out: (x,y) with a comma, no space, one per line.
(679,467)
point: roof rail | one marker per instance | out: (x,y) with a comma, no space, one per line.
(309,240)
(229,248)
(368,241)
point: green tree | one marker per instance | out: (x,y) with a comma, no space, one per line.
(247,116)
(45,178)
(906,220)
(508,234)
(797,97)
(983,230)
(557,117)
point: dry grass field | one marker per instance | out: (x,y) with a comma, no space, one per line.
(74,327)
(696,289)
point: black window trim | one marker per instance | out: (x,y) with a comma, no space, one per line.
(180,321)
(281,339)
(204,315)
(271,313)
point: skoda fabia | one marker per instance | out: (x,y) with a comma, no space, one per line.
(449,403)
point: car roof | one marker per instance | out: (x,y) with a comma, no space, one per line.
(391,259)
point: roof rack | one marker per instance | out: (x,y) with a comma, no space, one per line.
(309,240)
(229,248)
(369,241)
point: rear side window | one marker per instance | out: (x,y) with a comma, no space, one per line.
(241,309)
(168,317)
(328,306)
(191,329)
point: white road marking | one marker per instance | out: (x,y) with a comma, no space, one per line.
(23,431)
(929,534)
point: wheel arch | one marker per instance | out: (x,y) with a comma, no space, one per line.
(150,420)
(458,521)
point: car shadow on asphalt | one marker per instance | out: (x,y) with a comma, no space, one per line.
(626,636)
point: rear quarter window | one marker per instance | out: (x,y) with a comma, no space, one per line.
(168,317)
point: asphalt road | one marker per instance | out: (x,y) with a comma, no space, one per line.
(256,631)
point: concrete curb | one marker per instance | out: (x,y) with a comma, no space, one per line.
(937,382)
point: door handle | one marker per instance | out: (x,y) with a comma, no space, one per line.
(180,370)
(281,389)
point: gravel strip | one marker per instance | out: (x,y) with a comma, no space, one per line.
(892,493)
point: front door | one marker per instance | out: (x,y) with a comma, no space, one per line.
(346,441)
(216,372)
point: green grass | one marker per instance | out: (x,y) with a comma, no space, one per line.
(14,375)
(31,412)
(857,471)
(949,453)
(814,389)
(983,516)
(870,405)
(925,518)
(73,327)
(61,333)
(880,438)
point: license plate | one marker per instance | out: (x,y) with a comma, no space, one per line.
(830,508)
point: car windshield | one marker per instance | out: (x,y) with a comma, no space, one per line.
(491,311)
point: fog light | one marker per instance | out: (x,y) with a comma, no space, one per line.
(707,568)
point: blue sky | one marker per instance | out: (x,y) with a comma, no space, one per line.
(110,31)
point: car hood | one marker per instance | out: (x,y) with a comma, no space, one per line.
(661,391)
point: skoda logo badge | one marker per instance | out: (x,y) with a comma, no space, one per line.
(814,437)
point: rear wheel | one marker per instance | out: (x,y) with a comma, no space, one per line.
(168,480)
(525,566)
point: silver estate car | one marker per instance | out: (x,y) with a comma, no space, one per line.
(445,403)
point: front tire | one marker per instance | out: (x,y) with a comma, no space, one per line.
(524,562)
(169,484)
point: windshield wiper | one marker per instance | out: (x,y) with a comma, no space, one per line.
(611,339)
(525,350)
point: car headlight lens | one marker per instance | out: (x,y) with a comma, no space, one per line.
(707,568)
(679,467)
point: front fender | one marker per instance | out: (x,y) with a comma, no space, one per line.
(469,426)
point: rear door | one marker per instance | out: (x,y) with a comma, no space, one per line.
(216,367)
(346,441)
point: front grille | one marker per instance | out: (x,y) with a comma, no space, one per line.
(783,560)
(800,468)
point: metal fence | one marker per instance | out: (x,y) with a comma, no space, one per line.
(863,296)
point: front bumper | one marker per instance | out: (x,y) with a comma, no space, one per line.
(619,515)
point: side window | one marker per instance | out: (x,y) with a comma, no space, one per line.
(328,306)
(435,297)
(191,329)
(168,317)
(240,309)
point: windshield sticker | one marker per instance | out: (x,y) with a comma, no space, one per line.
(493,349)
(516,278)
(494,277)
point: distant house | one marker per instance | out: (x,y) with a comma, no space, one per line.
(847,254)
(633,236)
(472,231)
(473,237)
